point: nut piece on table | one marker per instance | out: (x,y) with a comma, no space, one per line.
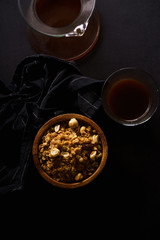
(73,123)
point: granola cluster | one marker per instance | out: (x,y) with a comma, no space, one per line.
(70,151)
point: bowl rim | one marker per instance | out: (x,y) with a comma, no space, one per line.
(63,118)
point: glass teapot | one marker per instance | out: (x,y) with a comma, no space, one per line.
(67,29)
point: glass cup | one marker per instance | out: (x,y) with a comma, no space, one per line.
(67,29)
(130,96)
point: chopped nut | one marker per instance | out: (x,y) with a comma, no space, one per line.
(42,149)
(65,154)
(79,177)
(99,155)
(93,155)
(49,164)
(55,152)
(82,130)
(73,135)
(99,147)
(56,128)
(76,140)
(95,148)
(89,128)
(73,123)
(81,159)
(95,139)
(47,138)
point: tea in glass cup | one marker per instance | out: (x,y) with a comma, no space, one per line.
(130,96)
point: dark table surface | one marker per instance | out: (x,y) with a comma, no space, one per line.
(129,187)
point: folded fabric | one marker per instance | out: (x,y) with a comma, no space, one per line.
(42,87)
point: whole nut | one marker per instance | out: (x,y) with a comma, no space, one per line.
(79,177)
(65,154)
(55,152)
(93,155)
(73,123)
(82,130)
(56,128)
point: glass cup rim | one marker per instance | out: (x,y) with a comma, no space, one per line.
(45,29)
(147,80)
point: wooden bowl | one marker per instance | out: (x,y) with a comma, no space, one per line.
(63,118)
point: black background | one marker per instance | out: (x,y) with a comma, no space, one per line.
(127,193)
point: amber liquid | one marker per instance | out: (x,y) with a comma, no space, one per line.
(57,13)
(128,99)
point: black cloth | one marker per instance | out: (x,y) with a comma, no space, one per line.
(42,87)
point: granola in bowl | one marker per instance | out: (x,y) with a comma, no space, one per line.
(70,151)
